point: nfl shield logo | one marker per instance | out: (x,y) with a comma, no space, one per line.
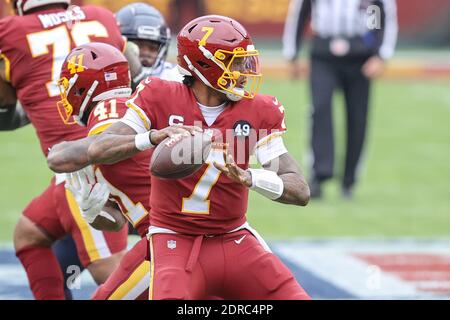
(171,244)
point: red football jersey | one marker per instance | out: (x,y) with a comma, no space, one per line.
(34,47)
(128,180)
(206,202)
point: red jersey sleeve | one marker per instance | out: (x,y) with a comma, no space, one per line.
(145,100)
(273,115)
(3,49)
(104,114)
(272,126)
(272,119)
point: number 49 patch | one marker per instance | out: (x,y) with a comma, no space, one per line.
(242,128)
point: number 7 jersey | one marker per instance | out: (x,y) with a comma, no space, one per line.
(207,202)
(34,47)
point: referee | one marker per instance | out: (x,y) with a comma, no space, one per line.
(352,39)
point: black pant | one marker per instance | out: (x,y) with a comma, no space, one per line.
(327,75)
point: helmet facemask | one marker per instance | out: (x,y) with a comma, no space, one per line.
(65,109)
(219,52)
(241,72)
(159,35)
(142,22)
(241,76)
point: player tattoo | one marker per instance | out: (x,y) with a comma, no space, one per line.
(113,145)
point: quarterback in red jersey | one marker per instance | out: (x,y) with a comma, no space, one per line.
(103,71)
(200,242)
(33,46)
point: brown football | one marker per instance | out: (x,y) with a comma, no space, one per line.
(180,156)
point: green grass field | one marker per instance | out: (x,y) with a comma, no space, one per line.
(404,187)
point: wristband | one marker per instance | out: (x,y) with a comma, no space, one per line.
(267,183)
(142,141)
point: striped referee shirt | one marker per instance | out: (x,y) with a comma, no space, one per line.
(341,18)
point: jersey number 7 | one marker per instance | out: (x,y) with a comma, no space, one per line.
(198,202)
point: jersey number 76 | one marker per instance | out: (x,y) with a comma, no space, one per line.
(60,40)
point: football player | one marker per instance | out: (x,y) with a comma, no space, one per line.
(145,27)
(148,42)
(200,241)
(33,45)
(102,75)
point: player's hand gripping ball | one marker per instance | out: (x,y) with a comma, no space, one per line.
(180,155)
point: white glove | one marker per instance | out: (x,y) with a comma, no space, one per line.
(90,195)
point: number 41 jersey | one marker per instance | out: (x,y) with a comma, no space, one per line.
(128,180)
(34,47)
(207,202)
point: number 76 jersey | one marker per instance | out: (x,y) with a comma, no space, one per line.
(33,48)
(207,202)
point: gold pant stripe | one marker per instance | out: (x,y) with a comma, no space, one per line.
(152,269)
(84,227)
(141,271)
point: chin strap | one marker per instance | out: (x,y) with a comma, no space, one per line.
(85,102)
(229,95)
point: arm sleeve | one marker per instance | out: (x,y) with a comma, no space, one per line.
(298,14)
(390,30)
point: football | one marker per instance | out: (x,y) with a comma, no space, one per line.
(180,156)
